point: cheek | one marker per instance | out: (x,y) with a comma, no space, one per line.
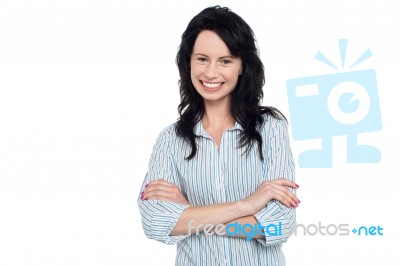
(233,77)
(196,74)
(234,80)
(193,77)
(195,70)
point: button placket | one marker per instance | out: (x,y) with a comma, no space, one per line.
(220,182)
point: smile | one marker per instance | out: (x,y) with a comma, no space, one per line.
(211,85)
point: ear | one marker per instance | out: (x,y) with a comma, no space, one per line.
(241,70)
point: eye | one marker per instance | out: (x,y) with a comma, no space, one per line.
(202,59)
(226,61)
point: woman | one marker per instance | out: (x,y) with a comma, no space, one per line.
(215,183)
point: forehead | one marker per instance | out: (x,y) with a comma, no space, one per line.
(210,44)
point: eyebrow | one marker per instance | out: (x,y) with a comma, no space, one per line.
(222,57)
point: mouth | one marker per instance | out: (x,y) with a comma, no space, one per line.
(211,85)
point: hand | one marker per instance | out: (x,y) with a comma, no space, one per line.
(163,190)
(277,189)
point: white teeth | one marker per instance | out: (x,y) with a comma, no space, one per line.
(212,85)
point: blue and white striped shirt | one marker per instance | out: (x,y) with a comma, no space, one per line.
(217,176)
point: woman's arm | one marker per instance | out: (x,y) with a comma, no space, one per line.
(159,217)
(194,218)
(168,217)
(278,162)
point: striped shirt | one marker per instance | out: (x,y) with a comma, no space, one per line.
(216,176)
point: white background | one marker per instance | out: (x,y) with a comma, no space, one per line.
(86,86)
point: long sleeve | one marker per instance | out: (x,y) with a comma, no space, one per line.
(160,217)
(279,163)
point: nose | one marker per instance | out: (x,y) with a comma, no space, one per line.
(211,72)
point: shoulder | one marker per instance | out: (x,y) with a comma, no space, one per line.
(168,130)
(165,139)
(169,142)
(274,131)
(168,133)
(274,128)
(273,122)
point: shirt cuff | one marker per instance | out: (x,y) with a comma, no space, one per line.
(164,219)
(278,222)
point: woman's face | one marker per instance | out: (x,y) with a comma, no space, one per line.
(214,71)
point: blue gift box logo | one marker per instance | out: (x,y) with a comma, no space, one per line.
(325,106)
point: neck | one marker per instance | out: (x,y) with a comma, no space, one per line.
(217,116)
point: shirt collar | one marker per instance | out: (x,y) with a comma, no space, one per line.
(200,131)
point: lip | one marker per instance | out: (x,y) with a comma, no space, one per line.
(211,88)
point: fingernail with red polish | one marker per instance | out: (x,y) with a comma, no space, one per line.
(297,186)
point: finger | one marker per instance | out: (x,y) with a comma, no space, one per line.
(285,196)
(166,188)
(285,182)
(291,197)
(158,194)
(174,190)
(290,193)
(280,192)
(164,195)
(157,198)
(288,202)
(276,185)
(159,181)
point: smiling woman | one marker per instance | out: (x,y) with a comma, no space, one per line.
(227,160)
(214,71)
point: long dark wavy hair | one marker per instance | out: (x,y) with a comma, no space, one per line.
(245,99)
